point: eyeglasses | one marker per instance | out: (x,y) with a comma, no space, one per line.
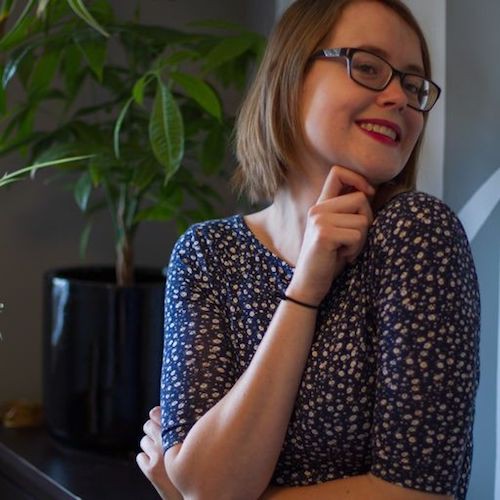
(375,73)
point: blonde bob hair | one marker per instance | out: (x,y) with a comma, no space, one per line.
(269,129)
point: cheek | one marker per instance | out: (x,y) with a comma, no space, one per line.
(416,128)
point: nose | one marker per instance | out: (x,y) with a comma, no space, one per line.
(393,95)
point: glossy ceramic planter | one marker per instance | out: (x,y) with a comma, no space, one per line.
(101,355)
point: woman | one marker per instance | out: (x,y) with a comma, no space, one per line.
(326,346)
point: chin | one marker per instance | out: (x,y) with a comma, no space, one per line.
(378,175)
(379,180)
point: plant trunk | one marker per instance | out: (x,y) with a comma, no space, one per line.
(125,262)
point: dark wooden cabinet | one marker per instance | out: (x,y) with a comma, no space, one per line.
(35,466)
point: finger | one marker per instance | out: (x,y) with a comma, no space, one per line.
(341,179)
(149,447)
(345,237)
(351,252)
(142,460)
(155,414)
(147,467)
(153,430)
(344,220)
(353,203)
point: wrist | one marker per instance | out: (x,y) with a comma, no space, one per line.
(296,295)
(289,298)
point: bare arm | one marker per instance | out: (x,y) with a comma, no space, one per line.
(352,488)
(364,487)
(232,450)
(234,447)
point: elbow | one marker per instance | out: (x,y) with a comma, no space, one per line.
(194,481)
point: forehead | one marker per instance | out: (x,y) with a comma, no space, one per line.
(376,26)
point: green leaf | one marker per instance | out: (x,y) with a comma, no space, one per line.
(18,144)
(13,63)
(155,34)
(19,30)
(95,172)
(31,169)
(71,65)
(44,72)
(81,11)
(166,131)
(118,126)
(5,9)
(53,147)
(84,239)
(82,191)
(26,123)
(25,69)
(176,58)
(94,52)
(41,10)
(144,174)
(3,101)
(213,151)
(158,213)
(228,49)
(102,11)
(139,88)
(200,91)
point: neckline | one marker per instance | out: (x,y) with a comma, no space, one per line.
(246,229)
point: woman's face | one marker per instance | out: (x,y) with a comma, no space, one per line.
(337,112)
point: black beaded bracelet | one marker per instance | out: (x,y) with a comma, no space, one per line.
(298,302)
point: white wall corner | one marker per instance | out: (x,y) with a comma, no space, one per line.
(431,14)
(281,5)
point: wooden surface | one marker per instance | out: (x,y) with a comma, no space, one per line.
(34,465)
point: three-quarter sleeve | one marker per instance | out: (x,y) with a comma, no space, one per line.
(427,315)
(197,368)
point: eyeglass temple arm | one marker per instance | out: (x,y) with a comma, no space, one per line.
(329,53)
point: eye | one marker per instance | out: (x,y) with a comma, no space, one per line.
(413,89)
(366,69)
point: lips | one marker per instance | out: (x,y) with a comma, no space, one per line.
(382,127)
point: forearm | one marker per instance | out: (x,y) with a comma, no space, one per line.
(362,487)
(232,450)
(350,488)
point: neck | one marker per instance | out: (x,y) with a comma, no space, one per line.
(287,216)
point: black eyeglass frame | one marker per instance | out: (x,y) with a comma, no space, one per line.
(347,53)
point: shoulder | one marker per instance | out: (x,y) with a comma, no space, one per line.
(207,242)
(417,214)
(416,205)
(205,235)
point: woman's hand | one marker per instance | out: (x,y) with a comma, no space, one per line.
(150,461)
(336,230)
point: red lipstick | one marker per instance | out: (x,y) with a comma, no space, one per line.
(381,137)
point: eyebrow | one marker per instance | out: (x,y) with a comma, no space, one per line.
(410,68)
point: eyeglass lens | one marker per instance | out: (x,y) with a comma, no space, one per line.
(373,72)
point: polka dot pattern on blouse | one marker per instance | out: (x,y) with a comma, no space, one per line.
(391,379)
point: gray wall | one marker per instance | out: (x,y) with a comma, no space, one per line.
(472,188)
(40,225)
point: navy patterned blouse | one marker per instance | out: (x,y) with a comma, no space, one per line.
(391,378)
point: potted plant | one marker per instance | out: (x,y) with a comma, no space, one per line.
(144,149)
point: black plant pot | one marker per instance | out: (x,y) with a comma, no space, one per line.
(101,356)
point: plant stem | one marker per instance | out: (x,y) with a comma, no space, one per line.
(124,247)
(125,262)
